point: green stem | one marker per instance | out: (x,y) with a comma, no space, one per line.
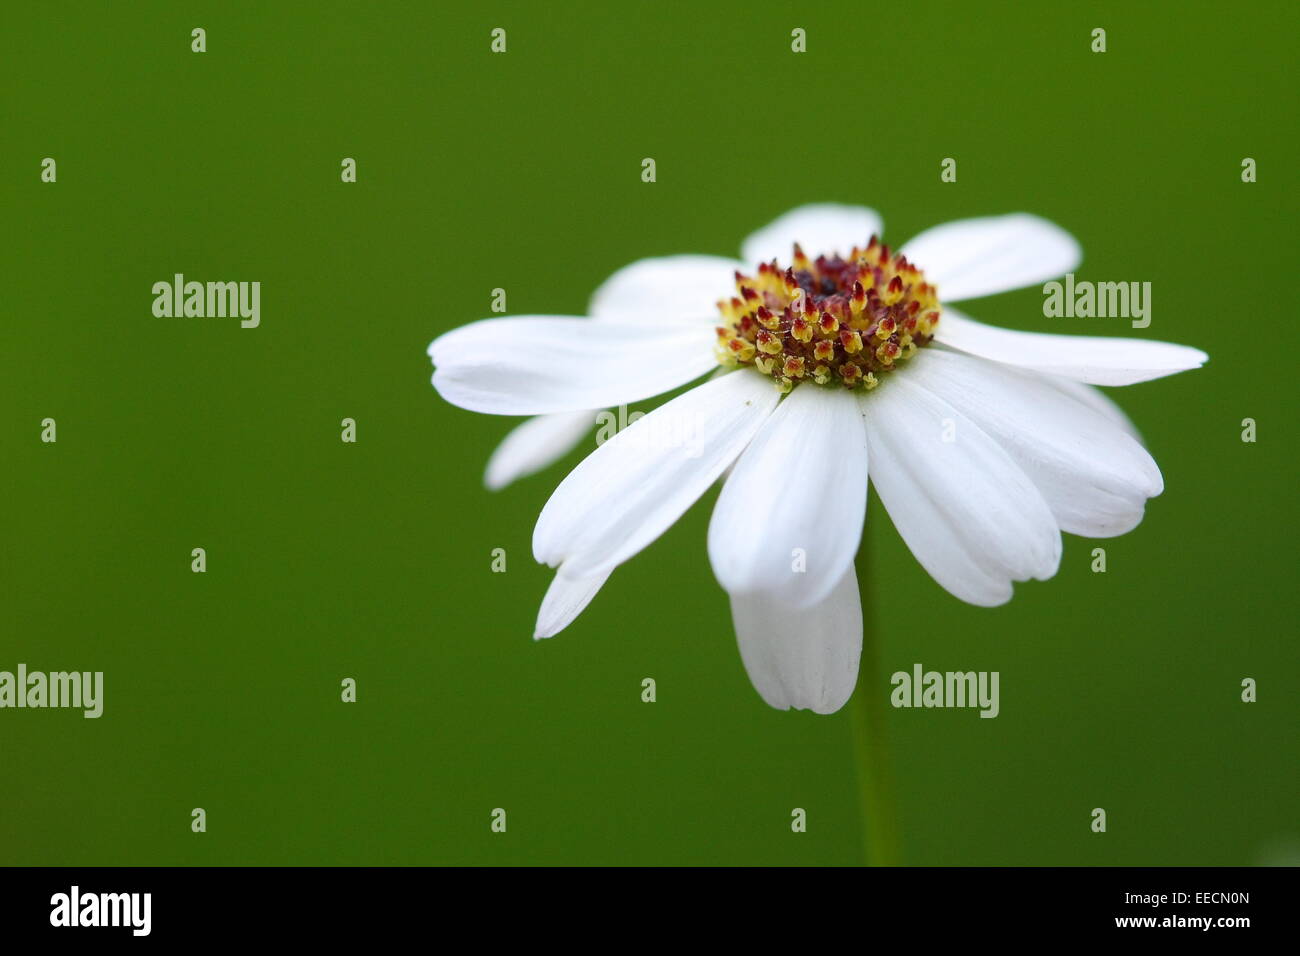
(880,831)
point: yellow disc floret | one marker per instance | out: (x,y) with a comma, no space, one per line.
(834,321)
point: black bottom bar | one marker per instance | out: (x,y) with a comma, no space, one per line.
(1169,905)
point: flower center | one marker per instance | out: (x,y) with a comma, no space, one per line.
(832,320)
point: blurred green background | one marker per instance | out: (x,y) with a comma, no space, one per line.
(328,560)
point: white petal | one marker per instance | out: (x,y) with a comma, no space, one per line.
(633,487)
(806,659)
(970,515)
(1093,475)
(533,365)
(566,598)
(1084,358)
(974,257)
(1097,400)
(818,228)
(536,443)
(670,288)
(798,491)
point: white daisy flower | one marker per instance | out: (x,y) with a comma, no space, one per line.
(842,359)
